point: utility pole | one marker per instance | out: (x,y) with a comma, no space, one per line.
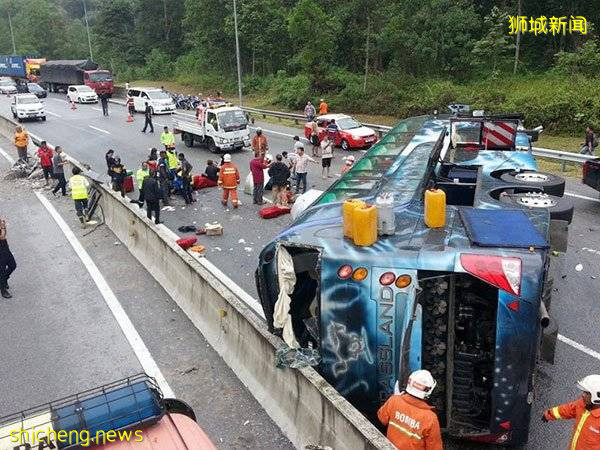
(87,28)
(518,45)
(12,35)
(237,53)
(367,53)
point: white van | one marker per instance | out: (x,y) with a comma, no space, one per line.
(159,101)
(81,94)
(27,106)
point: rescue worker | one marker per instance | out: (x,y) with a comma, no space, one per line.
(141,173)
(79,193)
(172,162)
(259,143)
(412,423)
(585,411)
(229,179)
(167,139)
(185,172)
(21,142)
(323,107)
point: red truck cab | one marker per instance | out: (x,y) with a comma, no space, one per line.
(99,80)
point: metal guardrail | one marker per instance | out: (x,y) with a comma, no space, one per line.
(563,156)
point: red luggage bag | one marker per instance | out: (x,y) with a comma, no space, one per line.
(273,211)
(128,184)
(201,182)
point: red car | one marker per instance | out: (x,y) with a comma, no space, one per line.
(351,134)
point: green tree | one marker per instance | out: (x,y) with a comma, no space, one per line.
(113,31)
(493,51)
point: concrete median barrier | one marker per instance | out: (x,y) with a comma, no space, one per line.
(307,409)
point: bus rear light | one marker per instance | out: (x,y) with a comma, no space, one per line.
(387,278)
(403,280)
(360,274)
(345,271)
(501,271)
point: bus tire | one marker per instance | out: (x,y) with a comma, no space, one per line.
(560,208)
(551,184)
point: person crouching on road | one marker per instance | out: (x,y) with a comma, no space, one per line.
(79,193)
(257,168)
(167,139)
(411,422)
(7,261)
(152,194)
(45,155)
(21,142)
(586,412)
(229,179)
(118,174)
(141,173)
(279,173)
(348,165)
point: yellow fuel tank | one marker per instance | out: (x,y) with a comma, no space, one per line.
(364,225)
(435,208)
(347,208)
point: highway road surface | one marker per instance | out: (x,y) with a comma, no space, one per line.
(85,134)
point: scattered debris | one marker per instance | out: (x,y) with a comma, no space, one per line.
(167,208)
(217,249)
(246,422)
(214,229)
(190,370)
(117,243)
(296,358)
(248,249)
(579,267)
(197,249)
(241,241)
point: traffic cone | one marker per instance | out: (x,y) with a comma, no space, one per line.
(73,105)
(129,117)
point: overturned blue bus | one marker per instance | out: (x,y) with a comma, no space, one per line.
(468,301)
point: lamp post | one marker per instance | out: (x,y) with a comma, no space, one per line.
(237,53)
(87,28)
(12,35)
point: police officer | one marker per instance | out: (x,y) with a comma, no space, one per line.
(412,423)
(148,118)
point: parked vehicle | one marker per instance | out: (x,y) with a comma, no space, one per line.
(591,173)
(27,106)
(8,86)
(127,414)
(221,129)
(159,101)
(351,135)
(468,301)
(57,76)
(20,67)
(32,88)
(81,94)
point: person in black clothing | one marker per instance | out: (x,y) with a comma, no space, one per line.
(163,176)
(185,172)
(148,119)
(211,172)
(110,161)
(279,173)
(104,101)
(7,261)
(118,175)
(152,196)
(591,142)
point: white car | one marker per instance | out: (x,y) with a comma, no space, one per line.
(27,106)
(159,101)
(82,94)
(8,87)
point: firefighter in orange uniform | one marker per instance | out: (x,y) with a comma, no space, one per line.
(412,423)
(229,178)
(585,411)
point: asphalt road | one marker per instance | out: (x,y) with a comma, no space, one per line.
(59,336)
(575,297)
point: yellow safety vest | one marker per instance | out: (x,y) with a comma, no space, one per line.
(78,187)
(173,161)
(167,139)
(140,175)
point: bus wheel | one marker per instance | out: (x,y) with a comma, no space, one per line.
(560,208)
(551,184)
(175,406)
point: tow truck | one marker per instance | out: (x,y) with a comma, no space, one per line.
(221,128)
(469,302)
(127,414)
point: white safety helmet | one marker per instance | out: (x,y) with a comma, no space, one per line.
(591,384)
(226,157)
(258,129)
(420,384)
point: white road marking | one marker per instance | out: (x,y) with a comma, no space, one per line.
(98,129)
(135,340)
(580,347)
(96,109)
(53,114)
(570,194)
(9,158)
(282,134)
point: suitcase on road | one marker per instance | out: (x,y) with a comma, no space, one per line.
(201,182)
(128,184)
(271,212)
